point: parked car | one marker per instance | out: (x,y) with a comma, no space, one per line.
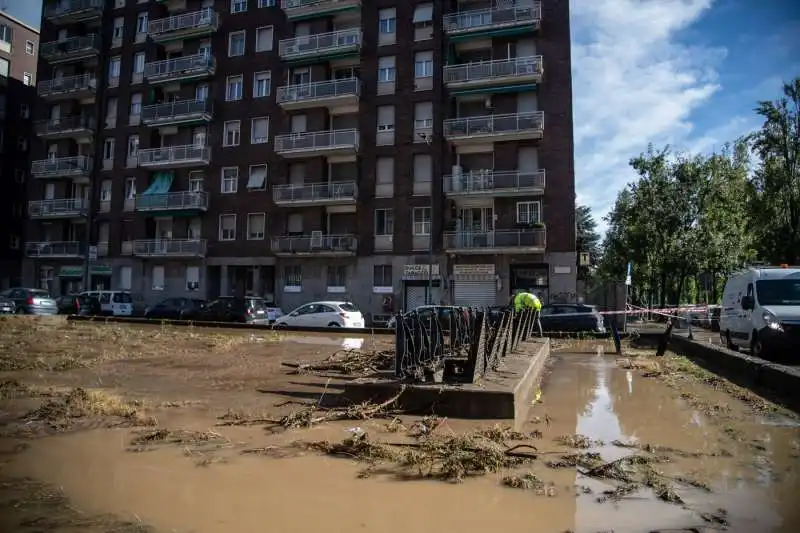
(7,306)
(572,318)
(444,313)
(176,309)
(248,310)
(31,301)
(118,303)
(79,304)
(328,314)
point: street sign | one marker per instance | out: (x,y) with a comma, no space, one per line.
(585,259)
(93,253)
(628,275)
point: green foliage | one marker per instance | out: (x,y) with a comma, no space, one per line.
(587,239)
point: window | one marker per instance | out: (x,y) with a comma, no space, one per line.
(292,277)
(133,146)
(5,68)
(238,6)
(382,276)
(384,176)
(227,227)
(234,88)
(258,178)
(259,130)
(125,277)
(387,25)
(386,118)
(423,16)
(138,64)
(528,213)
(13,242)
(130,188)
(30,48)
(118,31)
(192,278)
(141,22)
(27,78)
(266,3)
(111,111)
(386,69)
(6,38)
(22,144)
(114,70)
(256,223)
(422,221)
(136,104)
(196,181)
(108,149)
(264,39)
(261,84)
(24,111)
(384,222)
(336,278)
(158,278)
(236,40)
(230,180)
(105,190)
(423,116)
(423,64)
(231,133)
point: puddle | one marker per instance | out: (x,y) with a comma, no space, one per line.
(347,343)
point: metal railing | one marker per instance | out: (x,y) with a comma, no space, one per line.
(176,110)
(57,207)
(57,49)
(487,181)
(319,90)
(489,70)
(488,124)
(52,126)
(81,82)
(315,192)
(320,43)
(311,244)
(181,200)
(206,18)
(479,19)
(165,247)
(70,7)
(174,154)
(317,140)
(299,4)
(62,166)
(180,66)
(476,240)
(54,249)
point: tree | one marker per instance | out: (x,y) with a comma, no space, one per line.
(587,239)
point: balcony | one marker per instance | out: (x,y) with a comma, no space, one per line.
(182,112)
(183,26)
(80,87)
(494,183)
(165,248)
(76,167)
(330,94)
(322,46)
(307,9)
(172,201)
(58,208)
(496,242)
(54,249)
(78,127)
(194,67)
(316,244)
(175,156)
(73,11)
(493,22)
(71,49)
(494,128)
(318,143)
(339,193)
(519,72)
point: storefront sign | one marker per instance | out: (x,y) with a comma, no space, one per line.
(416,272)
(472,270)
(70,272)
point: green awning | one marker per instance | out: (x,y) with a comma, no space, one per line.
(70,272)
(101,270)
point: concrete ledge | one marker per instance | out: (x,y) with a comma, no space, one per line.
(504,394)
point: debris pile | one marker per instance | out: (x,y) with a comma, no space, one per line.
(348,362)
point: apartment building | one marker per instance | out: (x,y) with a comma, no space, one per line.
(306,150)
(18,47)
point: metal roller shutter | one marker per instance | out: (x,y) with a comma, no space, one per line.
(415,296)
(474,293)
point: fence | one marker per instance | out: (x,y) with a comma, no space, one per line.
(457,347)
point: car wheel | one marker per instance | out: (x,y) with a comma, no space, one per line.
(334,325)
(20,311)
(756,347)
(282,325)
(729,343)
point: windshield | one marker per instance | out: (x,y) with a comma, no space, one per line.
(348,308)
(35,293)
(778,291)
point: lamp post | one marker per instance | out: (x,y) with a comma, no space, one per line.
(429,293)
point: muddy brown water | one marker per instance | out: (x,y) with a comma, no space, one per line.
(751,468)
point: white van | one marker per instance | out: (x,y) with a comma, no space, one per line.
(761,311)
(118,303)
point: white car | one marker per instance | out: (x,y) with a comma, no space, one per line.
(323,315)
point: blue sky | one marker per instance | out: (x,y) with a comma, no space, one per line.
(681,72)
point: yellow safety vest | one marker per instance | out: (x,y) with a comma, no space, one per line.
(527,300)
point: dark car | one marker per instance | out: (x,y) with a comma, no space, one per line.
(248,310)
(7,306)
(176,309)
(79,304)
(573,318)
(31,301)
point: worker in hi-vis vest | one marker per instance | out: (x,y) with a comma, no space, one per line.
(527,300)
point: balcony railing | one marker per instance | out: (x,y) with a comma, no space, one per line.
(175,156)
(73,10)
(192,66)
(321,44)
(61,207)
(79,165)
(493,125)
(493,18)
(68,85)
(318,193)
(64,125)
(186,24)
(54,249)
(489,240)
(315,244)
(179,111)
(167,247)
(484,71)
(323,141)
(487,182)
(295,9)
(71,48)
(321,90)
(173,201)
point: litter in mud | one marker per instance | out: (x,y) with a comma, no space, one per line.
(348,362)
(530,482)
(189,440)
(81,403)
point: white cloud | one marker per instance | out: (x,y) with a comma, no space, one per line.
(633,84)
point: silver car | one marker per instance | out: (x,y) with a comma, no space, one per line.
(32,301)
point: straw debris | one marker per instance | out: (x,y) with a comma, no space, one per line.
(81,403)
(530,482)
(577,441)
(188,439)
(348,362)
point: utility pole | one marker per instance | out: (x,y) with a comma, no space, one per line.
(429,293)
